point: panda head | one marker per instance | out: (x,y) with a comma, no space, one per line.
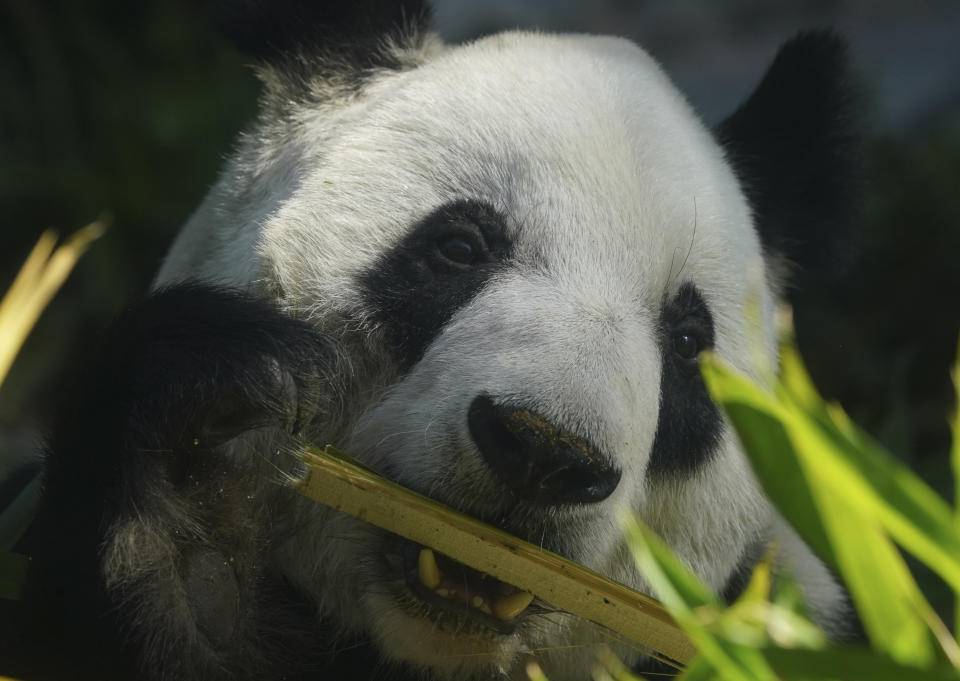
(521,244)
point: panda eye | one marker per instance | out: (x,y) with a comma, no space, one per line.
(686,345)
(458,250)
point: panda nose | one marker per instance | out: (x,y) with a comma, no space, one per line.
(540,463)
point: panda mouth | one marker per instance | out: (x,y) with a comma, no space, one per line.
(447,587)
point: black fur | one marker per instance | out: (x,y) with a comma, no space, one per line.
(795,146)
(414,290)
(182,372)
(740,577)
(690,426)
(272,31)
(12,486)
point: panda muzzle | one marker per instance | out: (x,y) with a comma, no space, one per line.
(442,582)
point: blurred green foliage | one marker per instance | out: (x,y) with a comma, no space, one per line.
(110,105)
(880,337)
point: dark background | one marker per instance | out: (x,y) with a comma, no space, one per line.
(130,108)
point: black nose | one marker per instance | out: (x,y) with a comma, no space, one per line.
(539,462)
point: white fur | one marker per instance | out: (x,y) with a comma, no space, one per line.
(615,195)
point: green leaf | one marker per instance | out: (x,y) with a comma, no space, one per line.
(848,663)
(912,512)
(955,463)
(787,594)
(801,455)
(699,670)
(753,620)
(760,584)
(792,630)
(770,609)
(955,427)
(837,456)
(782,477)
(677,586)
(690,600)
(887,598)
(795,379)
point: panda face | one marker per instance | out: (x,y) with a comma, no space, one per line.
(522,244)
(555,234)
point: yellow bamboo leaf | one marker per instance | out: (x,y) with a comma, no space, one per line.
(39,279)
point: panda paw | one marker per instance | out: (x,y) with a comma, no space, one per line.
(193,366)
(142,501)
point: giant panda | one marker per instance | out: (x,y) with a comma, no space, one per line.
(412,247)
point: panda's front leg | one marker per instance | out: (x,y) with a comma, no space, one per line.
(154,528)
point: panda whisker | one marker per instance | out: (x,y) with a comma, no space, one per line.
(426,428)
(693,237)
(392,435)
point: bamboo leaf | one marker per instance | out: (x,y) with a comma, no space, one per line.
(955,463)
(678,587)
(759,586)
(888,600)
(835,454)
(699,670)
(830,503)
(689,600)
(955,427)
(784,480)
(848,663)
(755,619)
(912,512)
(41,276)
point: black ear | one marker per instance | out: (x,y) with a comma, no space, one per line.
(795,146)
(274,30)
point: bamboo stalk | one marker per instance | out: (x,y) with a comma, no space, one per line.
(338,481)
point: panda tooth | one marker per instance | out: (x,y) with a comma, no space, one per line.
(508,607)
(480,604)
(427,569)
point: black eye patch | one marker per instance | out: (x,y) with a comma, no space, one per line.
(689,425)
(441,263)
(686,324)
